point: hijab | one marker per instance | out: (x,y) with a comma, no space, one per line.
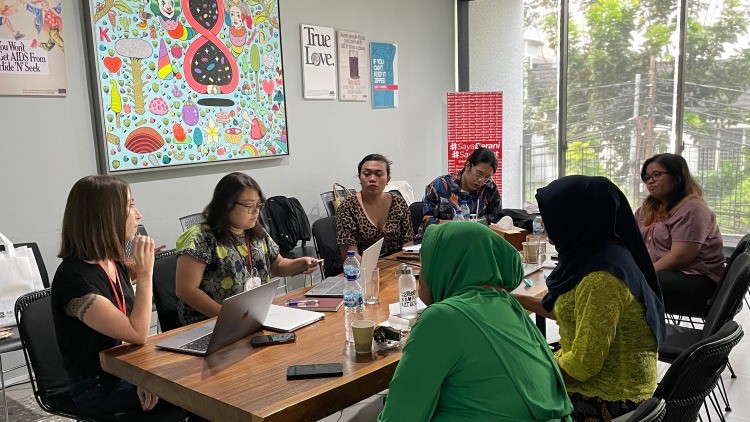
(592,226)
(476,279)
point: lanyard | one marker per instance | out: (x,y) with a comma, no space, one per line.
(249,256)
(112,282)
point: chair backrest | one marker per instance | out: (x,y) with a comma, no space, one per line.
(650,410)
(695,373)
(728,298)
(416,212)
(189,221)
(39,260)
(165,298)
(327,198)
(324,237)
(49,380)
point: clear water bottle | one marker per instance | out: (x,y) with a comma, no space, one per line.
(353,308)
(465,212)
(538,226)
(407,292)
(458,214)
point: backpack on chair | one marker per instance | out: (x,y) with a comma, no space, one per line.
(287,222)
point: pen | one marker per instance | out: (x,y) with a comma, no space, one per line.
(301,302)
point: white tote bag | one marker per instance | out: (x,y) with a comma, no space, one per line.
(16,279)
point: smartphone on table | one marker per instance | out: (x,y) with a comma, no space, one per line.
(318,370)
(267,340)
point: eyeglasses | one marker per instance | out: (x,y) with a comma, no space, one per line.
(252,208)
(479,177)
(655,176)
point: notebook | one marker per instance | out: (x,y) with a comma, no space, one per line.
(240,315)
(334,286)
(286,319)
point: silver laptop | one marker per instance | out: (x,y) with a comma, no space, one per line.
(240,315)
(334,286)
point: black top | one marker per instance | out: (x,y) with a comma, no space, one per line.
(80,344)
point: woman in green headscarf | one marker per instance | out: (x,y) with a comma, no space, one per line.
(474,354)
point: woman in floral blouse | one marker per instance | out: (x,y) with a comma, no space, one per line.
(230,252)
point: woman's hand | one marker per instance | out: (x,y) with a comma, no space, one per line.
(309,264)
(148,400)
(143,253)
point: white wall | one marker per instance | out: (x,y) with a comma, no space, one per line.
(496,64)
(46,144)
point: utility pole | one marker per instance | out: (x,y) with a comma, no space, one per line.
(635,136)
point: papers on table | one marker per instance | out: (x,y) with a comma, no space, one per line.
(395,308)
(412,249)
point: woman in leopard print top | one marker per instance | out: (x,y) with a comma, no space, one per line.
(364,218)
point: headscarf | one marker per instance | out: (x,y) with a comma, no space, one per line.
(461,263)
(593,229)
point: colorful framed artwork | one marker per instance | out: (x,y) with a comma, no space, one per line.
(185,82)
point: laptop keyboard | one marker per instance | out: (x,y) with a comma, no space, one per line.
(199,345)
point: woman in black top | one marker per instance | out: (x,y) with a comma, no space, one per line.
(94,305)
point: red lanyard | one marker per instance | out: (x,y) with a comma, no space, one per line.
(250,266)
(120,302)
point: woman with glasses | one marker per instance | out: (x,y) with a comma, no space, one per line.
(230,252)
(473,184)
(372,213)
(681,234)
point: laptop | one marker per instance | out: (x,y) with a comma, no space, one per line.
(334,286)
(240,315)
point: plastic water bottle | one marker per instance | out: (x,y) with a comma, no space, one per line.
(458,214)
(538,226)
(407,292)
(353,308)
(465,211)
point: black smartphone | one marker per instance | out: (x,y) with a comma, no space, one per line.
(318,370)
(273,339)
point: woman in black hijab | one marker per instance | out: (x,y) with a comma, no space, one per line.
(603,294)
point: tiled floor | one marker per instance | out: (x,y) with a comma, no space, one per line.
(738,389)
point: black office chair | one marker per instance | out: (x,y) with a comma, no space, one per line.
(191,220)
(165,298)
(651,410)
(13,343)
(324,238)
(695,373)
(416,212)
(727,303)
(47,376)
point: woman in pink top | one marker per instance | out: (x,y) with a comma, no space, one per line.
(681,234)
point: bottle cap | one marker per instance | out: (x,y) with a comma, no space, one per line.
(404,269)
(349,253)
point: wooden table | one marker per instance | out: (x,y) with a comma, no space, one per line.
(240,382)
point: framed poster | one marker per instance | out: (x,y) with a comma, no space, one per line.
(318,62)
(384,67)
(475,119)
(186,82)
(32,48)
(354,77)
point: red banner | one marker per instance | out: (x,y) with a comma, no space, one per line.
(475,119)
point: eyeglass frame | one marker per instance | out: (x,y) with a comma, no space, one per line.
(481,180)
(251,209)
(655,175)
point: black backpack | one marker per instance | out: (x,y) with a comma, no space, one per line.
(287,222)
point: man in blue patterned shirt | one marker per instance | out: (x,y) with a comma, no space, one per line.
(472,184)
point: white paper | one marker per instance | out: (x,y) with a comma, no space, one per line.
(395,308)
